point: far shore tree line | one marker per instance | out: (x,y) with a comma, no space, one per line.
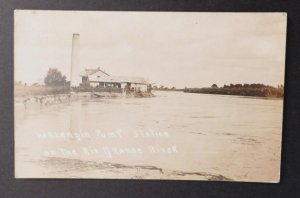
(163,88)
(215,86)
(254,89)
(246,85)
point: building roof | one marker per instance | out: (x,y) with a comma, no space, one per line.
(118,79)
(88,72)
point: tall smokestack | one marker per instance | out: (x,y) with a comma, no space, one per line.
(75,62)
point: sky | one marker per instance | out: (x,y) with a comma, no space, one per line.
(181,49)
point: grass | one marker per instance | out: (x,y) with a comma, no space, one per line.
(24,91)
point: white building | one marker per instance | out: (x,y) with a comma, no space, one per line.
(97,78)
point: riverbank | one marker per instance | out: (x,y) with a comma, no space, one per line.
(267,92)
(38,96)
(27,91)
(22,91)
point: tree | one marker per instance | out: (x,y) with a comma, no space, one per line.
(214,86)
(54,78)
(246,85)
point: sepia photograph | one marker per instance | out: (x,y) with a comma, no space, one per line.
(149,95)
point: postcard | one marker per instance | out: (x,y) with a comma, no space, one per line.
(149,95)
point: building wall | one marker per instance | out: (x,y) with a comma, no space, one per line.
(123,85)
(133,86)
(139,87)
(143,87)
(94,84)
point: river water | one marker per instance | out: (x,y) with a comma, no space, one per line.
(174,135)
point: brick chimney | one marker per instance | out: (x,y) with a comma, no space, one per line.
(75,61)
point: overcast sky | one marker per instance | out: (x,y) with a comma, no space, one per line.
(168,48)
